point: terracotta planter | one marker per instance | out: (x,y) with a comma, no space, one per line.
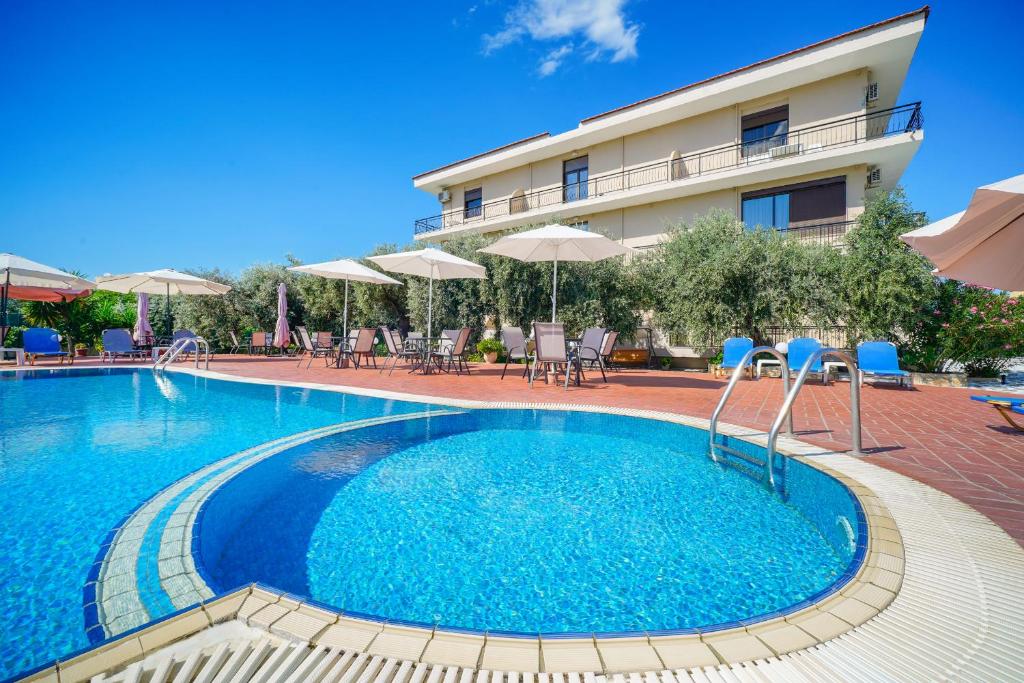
(940,379)
(81,353)
(491,357)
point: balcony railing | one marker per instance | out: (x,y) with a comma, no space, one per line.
(850,131)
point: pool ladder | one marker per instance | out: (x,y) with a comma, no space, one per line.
(764,469)
(179,347)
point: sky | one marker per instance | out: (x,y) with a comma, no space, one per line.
(220,134)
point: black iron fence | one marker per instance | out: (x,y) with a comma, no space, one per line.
(849,131)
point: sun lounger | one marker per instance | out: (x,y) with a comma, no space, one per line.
(733,350)
(879,359)
(799,350)
(45,342)
(1006,407)
(119,342)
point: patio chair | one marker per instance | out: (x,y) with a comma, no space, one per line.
(447,340)
(550,352)
(589,349)
(733,350)
(45,342)
(361,349)
(235,344)
(314,347)
(1006,407)
(396,350)
(879,359)
(607,347)
(119,342)
(514,341)
(799,350)
(453,354)
(259,342)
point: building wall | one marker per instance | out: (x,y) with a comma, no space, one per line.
(826,100)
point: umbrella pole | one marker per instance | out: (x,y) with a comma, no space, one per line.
(430,303)
(554,291)
(167,312)
(345,317)
(3,306)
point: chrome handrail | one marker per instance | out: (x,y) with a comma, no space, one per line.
(737,373)
(175,350)
(787,405)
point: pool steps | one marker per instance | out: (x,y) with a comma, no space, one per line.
(941,597)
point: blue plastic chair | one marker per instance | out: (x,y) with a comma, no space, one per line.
(799,350)
(1006,407)
(878,359)
(119,342)
(733,350)
(43,341)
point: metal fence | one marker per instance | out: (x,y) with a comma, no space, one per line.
(835,336)
(849,131)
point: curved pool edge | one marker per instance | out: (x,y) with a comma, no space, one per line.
(829,613)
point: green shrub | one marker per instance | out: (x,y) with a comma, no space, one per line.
(485,346)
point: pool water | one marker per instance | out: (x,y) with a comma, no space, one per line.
(80,449)
(530,522)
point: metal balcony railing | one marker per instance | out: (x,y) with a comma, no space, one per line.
(850,131)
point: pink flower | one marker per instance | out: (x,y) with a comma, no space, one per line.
(1007,346)
(945,324)
(1012,302)
(1005,321)
(937,312)
(974,309)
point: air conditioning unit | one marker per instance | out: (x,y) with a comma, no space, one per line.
(444,196)
(874,176)
(871,93)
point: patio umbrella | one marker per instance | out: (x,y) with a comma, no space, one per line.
(556,243)
(983,245)
(281,329)
(165,281)
(346,269)
(21,278)
(430,263)
(143,330)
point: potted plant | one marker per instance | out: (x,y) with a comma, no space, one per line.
(490,348)
(81,350)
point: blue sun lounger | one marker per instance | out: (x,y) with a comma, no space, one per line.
(878,359)
(1006,407)
(43,341)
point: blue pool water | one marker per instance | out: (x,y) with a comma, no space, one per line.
(81,449)
(529,522)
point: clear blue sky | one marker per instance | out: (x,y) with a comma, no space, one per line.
(202,134)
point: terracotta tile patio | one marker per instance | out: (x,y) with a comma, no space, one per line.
(935,435)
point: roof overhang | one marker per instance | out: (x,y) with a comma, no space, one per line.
(885,48)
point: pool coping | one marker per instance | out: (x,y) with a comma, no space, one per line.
(877,584)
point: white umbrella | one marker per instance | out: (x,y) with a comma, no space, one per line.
(19,272)
(165,281)
(983,245)
(346,269)
(556,243)
(431,263)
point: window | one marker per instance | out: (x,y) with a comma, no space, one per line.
(474,201)
(581,225)
(574,179)
(764,130)
(816,202)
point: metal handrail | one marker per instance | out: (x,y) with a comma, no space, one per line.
(175,350)
(736,374)
(872,125)
(787,405)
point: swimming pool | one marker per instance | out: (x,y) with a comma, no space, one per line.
(501,520)
(80,449)
(528,521)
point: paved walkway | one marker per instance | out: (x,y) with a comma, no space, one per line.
(935,435)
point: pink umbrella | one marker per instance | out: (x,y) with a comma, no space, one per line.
(143,330)
(281,331)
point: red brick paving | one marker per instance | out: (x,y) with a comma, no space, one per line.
(933,434)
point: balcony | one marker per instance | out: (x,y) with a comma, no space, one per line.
(796,144)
